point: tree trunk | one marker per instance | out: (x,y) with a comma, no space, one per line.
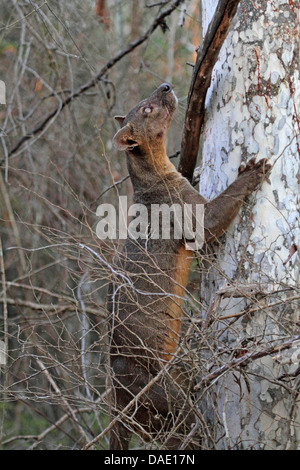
(251,112)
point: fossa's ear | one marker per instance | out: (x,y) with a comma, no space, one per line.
(120,120)
(123,140)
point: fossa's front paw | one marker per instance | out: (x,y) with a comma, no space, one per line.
(254,172)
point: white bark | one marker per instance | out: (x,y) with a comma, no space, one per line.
(251,109)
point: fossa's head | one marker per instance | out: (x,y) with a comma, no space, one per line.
(145,127)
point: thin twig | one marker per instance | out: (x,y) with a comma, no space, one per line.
(64,400)
(260,307)
(55,308)
(66,416)
(85,330)
(4,298)
(127,408)
(117,183)
(243,361)
(12,220)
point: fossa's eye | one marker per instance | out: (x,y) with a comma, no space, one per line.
(148,110)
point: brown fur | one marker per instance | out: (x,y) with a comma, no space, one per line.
(146,310)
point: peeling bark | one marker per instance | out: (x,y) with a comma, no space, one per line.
(102,13)
(206,58)
(251,111)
